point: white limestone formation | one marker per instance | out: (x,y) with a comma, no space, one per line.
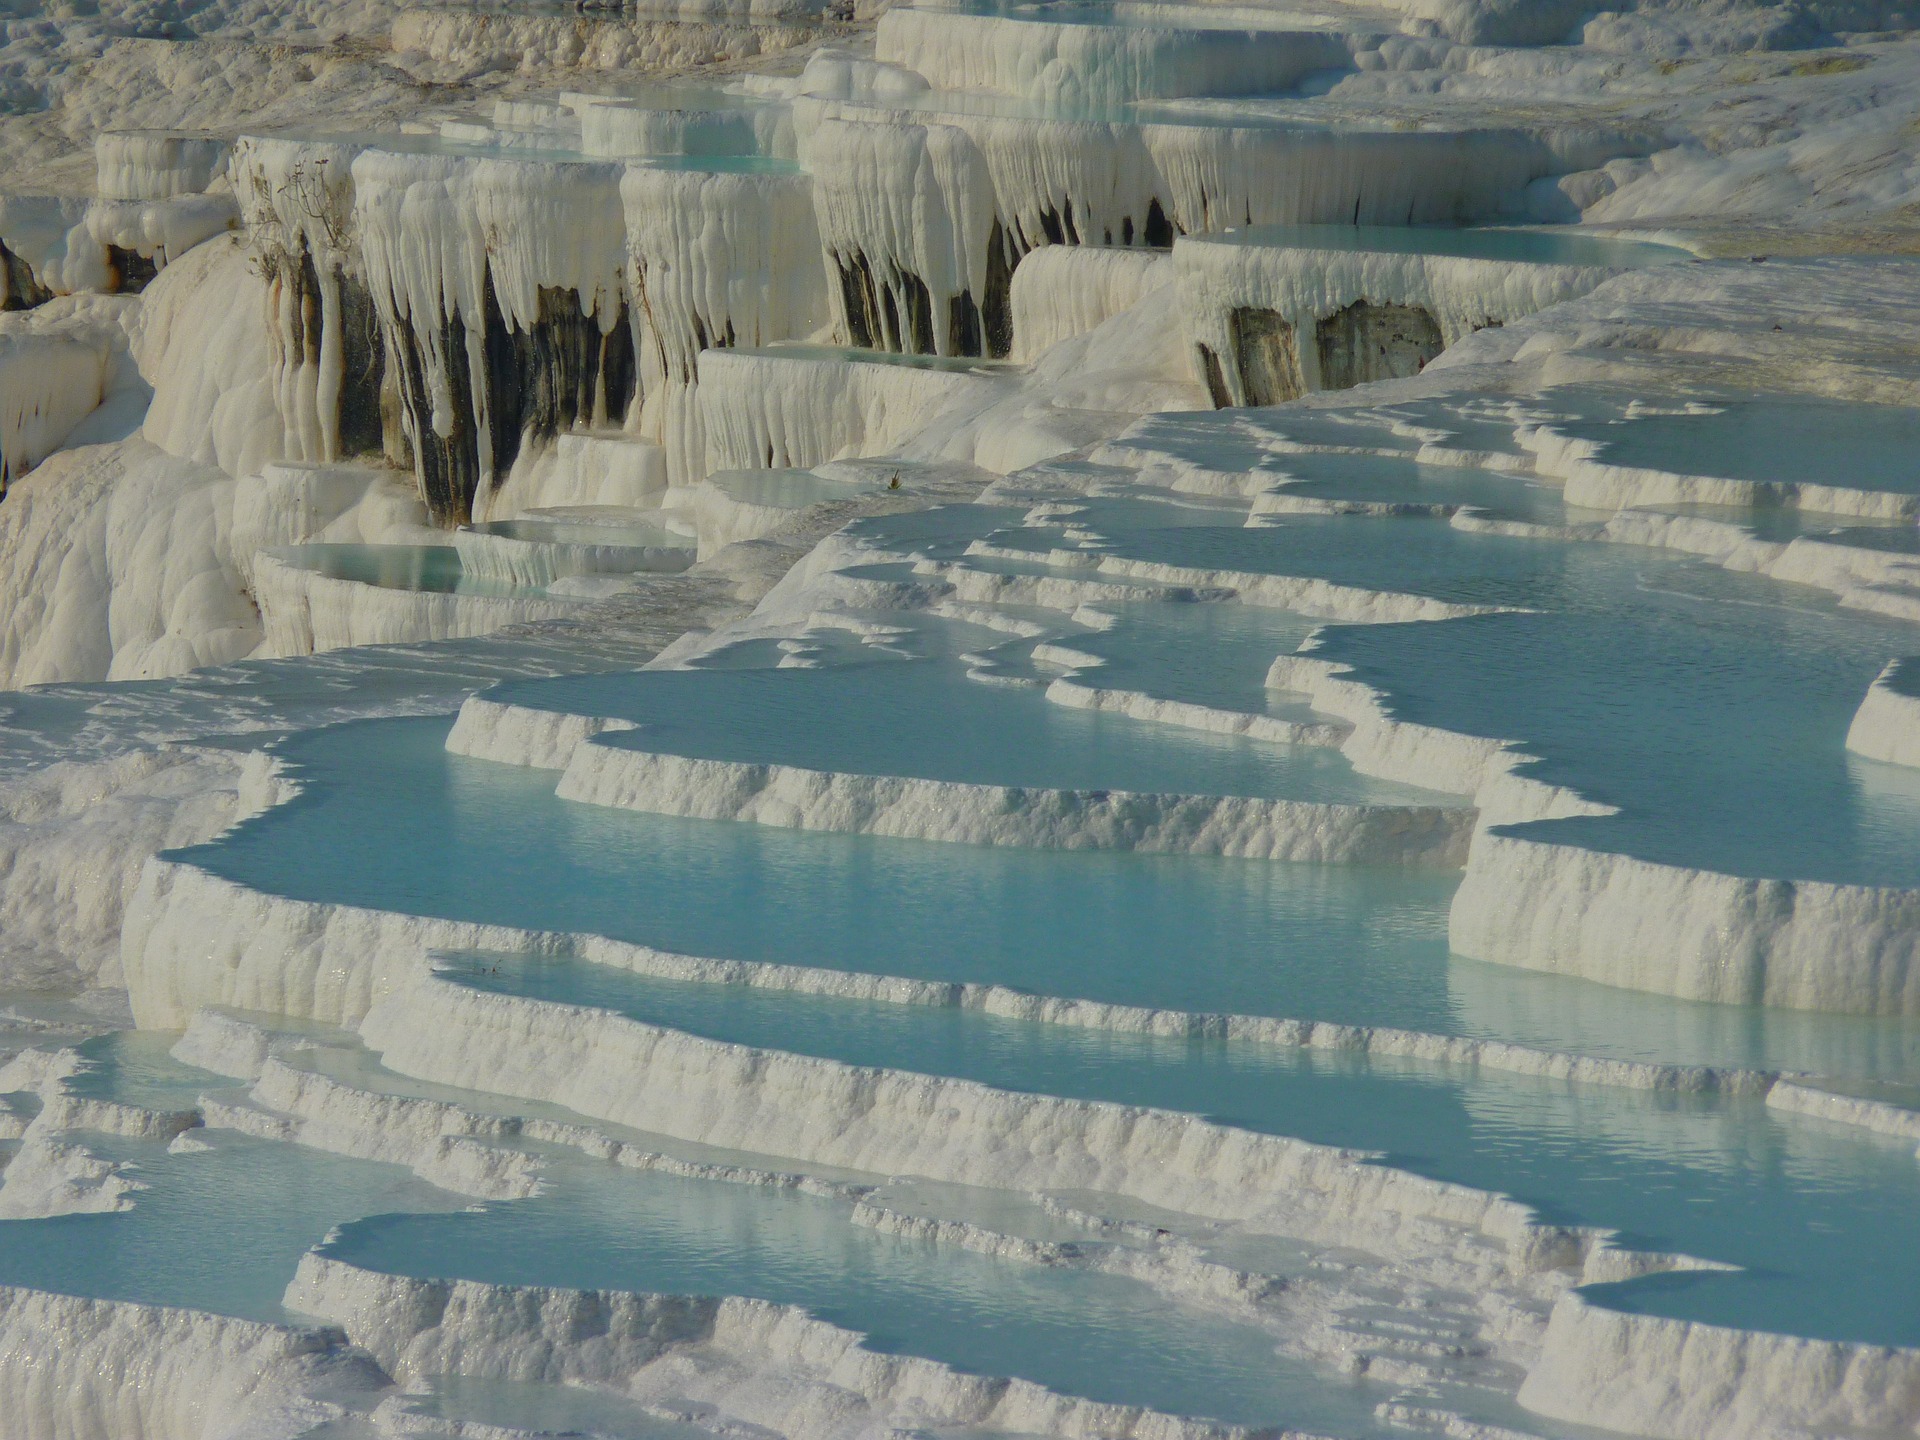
(1887,725)
(141,1370)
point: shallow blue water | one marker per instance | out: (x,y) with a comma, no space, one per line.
(785,489)
(223,1231)
(1828,1216)
(1711,707)
(560,531)
(1395,480)
(1190,932)
(433,568)
(465,839)
(925,718)
(1544,246)
(1086,1334)
(220,1230)
(1772,439)
(1214,655)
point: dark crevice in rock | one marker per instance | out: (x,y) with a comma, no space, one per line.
(561,372)
(131,272)
(360,425)
(447,466)
(1367,342)
(996,306)
(1215,378)
(1159,232)
(1265,356)
(20,288)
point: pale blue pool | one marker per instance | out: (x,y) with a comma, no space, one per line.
(433,568)
(1712,707)
(1827,1218)
(1081,1333)
(926,718)
(1278,939)
(1546,246)
(1772,439)
(1344,943)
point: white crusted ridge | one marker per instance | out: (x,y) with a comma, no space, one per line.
(444,1144)
(1690,933)
(910,808)
(1887,724)
(305,612)
(338,960)
(1689,1381)
(122,1370)
(876,1120)
(768,1365)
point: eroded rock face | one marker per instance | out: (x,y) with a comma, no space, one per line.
(1267,356)
(1367,342)
(538,381)
(895,309)
(20,288)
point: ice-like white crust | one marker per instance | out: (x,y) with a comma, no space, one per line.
(619,129)
(1597,484)
(890,1122)
(662,39)
(1061,291)
(121,1371)
(447,242)
(48,385)
(48,1177)
(509,734)
(444,1144)
(764,1364)
(1141,706)
(1682,1380)
(73,838)
(1690,933)
(251,951)
(47,236)
(224,1044)
(1106,65)
(305,612)
(292,502)
(216,371)
(604,468)
(774,409)
(1887,724)
(296,200)
(1880,1116)
(941,197)
(715,259)
(161,230)
(909,808)
(1304,285)
(156,164)
(1419,754)
(338,957)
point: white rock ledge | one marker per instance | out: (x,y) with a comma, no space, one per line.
(205,941)
(143,1372)
(1887,724)
(1695,934)
(905,807)
(768,1365)
(883,1122)
(1681,1380)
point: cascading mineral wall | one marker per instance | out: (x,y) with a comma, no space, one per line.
(501,292)
(329,359)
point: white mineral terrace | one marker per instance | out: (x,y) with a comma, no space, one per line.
(1137,720)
